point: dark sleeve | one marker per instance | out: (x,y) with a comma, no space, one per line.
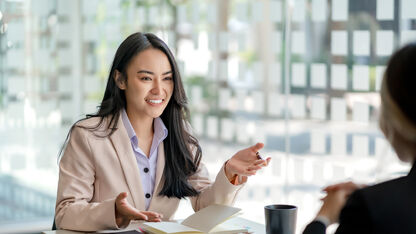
(355,216)
(315,227)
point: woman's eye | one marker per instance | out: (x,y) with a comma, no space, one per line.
(145,78)
(168,78)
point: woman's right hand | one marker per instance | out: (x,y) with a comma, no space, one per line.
(125,212)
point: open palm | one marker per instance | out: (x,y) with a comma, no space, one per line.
(126,212)
(245,162)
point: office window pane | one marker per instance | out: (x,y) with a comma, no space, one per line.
(306,84)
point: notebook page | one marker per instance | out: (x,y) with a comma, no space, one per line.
(168,227)
(209,217)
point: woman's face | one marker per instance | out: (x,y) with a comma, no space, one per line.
(149,85)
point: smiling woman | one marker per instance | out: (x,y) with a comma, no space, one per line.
(147,92)
(135,158)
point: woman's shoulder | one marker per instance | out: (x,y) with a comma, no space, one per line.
(88,122)
(375,196)
(94,124)
(387,187)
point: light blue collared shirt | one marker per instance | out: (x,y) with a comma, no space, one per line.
(147,165)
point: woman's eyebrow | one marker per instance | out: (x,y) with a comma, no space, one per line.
(152,73)
(145,71)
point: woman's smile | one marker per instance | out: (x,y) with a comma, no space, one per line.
(155,102)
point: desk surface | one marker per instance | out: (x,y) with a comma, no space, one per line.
(252,227)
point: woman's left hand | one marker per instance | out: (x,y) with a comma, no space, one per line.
(245,162)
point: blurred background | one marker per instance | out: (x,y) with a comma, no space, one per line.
(302,76)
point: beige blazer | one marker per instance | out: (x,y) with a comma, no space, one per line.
(94,170)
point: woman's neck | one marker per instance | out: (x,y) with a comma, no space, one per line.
(143,126)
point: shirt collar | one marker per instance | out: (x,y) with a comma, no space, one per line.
(161,132)
(127,125)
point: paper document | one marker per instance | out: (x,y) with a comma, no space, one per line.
(207,220)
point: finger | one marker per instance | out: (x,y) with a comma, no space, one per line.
(262,163)
(338,193)
(121,196)
(347,186)
(121,199)
(247,173)
(155,220)
(152,214)
(138,216)
(328,188)
(333,187)
(252,173)
(133,213)
(267,161)
(257,147)
(259,162)
(254,168)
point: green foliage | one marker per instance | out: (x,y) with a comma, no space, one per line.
(194,80)
(208,88)
(248,56)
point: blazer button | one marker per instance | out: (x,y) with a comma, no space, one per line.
(146,170)
(147,195)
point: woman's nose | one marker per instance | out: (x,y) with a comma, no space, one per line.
(156,89)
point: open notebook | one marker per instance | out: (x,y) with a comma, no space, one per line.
(207,220)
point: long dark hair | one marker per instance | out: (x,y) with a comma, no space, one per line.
(179,145)
(401,79)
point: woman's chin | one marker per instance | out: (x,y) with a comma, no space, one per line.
(155,115)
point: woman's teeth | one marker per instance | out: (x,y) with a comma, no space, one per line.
(155,101)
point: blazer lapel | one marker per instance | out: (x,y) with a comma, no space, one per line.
(160,167)
(122,145)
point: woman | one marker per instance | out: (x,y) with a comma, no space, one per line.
(387,207)
(135,158)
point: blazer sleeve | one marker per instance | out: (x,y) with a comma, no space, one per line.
(315,227)
(74,209)
(355,216)
(221,191)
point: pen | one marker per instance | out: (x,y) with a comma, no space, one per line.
(259,156)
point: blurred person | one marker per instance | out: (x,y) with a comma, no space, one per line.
(387,207)
(136,158)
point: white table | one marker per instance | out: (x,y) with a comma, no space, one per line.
(252,227)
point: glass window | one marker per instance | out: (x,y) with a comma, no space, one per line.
(302,76)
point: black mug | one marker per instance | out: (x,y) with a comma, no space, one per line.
(280,219)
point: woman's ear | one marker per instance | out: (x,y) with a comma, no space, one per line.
(119,79)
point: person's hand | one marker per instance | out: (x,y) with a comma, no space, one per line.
(125,212)
(245,162)
(335,199)
(349,186)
